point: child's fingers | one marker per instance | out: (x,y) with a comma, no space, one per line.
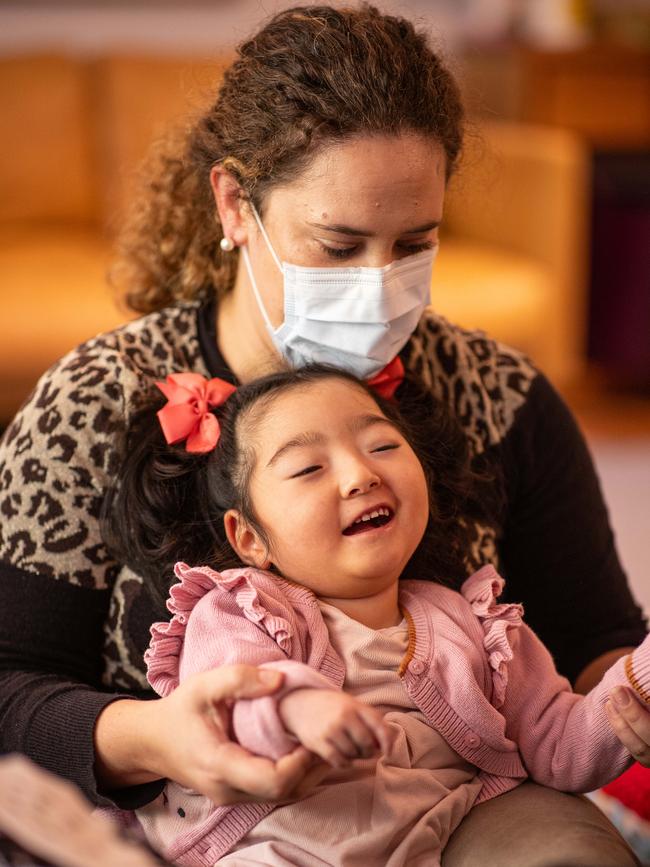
(362,736)
(344,742)
(382,732)
(330,753)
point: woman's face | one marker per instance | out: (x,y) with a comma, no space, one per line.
(326,457)
(368,201)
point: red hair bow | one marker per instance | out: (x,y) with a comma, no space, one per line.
(385,382)
(186,415)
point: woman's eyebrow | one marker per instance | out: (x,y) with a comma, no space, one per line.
(349,230)
(308,438)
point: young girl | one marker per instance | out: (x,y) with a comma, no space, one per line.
(422,701)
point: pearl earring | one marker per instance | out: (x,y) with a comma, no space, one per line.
(227,245)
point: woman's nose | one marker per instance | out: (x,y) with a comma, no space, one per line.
(379,257)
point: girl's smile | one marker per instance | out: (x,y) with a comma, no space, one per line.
(341,495)
(373,518)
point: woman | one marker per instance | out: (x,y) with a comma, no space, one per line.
(329,144)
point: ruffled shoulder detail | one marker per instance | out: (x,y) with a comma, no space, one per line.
(254,604)
(162,657)
(481,590)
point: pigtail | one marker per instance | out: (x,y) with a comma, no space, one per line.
(162,508)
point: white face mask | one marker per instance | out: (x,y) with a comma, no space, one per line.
(354,318)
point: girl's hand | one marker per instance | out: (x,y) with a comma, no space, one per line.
(191,745)
(185,737)
(334,726)
(630,721)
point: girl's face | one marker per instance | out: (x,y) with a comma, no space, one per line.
(342,496)
(367,201)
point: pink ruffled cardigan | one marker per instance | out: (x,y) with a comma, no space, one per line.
(480,676)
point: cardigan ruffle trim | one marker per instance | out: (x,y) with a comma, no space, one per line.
(481,590)
(162,657)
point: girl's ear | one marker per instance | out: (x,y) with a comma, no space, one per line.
(244,541)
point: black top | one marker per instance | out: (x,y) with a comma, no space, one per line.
(74,624)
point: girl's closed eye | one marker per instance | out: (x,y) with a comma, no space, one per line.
(386,447)
(312,468)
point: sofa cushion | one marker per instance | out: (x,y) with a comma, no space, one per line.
(507,295)
(54,296)
(46,169)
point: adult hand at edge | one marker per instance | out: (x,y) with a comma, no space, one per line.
(189,740)
(630,721)
(50,819)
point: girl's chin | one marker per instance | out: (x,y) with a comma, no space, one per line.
(370,582)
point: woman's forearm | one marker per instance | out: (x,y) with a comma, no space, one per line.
(593,673)
(122,745)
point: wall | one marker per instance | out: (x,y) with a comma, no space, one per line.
(173,28)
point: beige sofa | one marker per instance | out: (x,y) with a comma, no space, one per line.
(512,252)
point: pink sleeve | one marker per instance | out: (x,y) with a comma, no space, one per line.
(564,738)
(219,633)
(223,619)
(257,724)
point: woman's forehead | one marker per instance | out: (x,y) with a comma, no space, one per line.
(348,180)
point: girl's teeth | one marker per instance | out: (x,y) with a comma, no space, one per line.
(372,515)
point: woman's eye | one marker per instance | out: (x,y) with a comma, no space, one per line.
(417,248)
(348,252)
(386,448)
(339,252)
(306,471)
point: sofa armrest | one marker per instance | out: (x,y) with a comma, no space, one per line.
(525,188)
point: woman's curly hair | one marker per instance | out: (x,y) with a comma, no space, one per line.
(312,76)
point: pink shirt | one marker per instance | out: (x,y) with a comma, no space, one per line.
(399,808)
(475,672)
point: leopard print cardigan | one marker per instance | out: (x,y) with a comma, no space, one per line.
(63,449)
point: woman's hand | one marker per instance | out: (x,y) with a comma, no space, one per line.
(185,737)
(630,721)
(334,726)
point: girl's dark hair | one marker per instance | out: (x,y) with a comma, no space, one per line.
(169,504)
(313,76)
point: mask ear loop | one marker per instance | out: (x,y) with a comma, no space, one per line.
(258,297)
(266,238)
(249,269)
